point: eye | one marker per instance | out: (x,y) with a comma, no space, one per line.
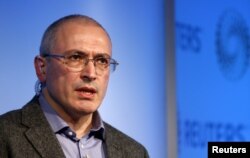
(102,61)
(75,57)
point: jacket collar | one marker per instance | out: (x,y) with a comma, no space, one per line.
(39,132)
(43,139)
(112,147)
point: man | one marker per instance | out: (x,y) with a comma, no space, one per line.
(62,120)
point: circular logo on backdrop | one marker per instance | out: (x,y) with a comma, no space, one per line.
(232,44)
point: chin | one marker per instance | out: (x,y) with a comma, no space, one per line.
(87,110)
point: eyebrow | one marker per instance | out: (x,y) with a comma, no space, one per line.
(86,54)
(102,55)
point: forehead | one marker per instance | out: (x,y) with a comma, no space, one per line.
(81,35)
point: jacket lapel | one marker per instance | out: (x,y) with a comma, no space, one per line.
(39,133)
(113,151)
(112,147)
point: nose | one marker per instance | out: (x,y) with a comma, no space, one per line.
(89,71)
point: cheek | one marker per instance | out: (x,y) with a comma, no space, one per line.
(104,83)
(59,81)
(54,83)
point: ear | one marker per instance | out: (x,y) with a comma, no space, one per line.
(39,64)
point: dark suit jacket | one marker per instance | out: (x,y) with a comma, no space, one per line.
(26,133)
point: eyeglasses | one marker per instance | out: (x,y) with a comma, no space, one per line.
(76,62)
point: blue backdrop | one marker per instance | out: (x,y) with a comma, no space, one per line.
(213,73)
(135,102)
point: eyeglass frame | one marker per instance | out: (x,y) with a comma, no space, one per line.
(86,60)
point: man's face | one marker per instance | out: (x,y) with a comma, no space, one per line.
(77,93)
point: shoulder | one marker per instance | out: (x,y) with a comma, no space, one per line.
(121,140)
(10,117)
(9,122)
(113,133)
(14,117)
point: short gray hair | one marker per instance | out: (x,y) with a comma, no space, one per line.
(49,35)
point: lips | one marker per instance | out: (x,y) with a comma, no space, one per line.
(86,92)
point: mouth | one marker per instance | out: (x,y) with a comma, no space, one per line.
(86,92)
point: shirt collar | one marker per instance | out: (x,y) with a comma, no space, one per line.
(57,123)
